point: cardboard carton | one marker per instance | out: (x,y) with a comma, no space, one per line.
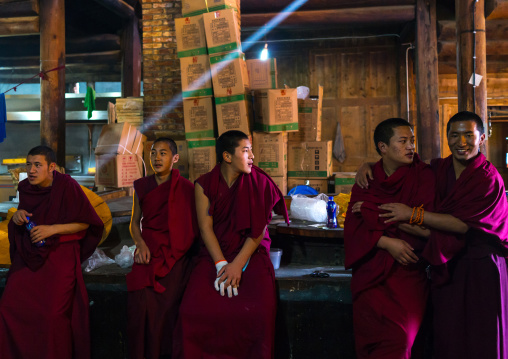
(196,7)
(344,181)
(198,118)
(229,74)
(222,31)
(270,152)
(311,160)
(116,139)
(282,183)
(309,119)
(196,78)
(234,113)
(190,36)
(275,110)
(262,73)
(320,185)
(202,158)
(182,165)
(117,170)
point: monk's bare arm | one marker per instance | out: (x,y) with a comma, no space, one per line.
(142,254)
(205,222)
(399,249)
(440,221)
(415,230)
(363,174)
(42,232)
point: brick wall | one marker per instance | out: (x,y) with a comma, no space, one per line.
(161,68)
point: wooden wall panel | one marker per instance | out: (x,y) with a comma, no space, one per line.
(382,74)
(293,69)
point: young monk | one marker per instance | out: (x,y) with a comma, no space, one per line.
(163,227)
(467,247)
(228,310)
(44,308)
(389,283)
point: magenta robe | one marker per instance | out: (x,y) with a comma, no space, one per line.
(389,300)
(470,279)
(44,308)
(213,326)
(169,228)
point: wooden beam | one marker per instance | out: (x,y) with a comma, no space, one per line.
(131,59)
(493,67)
(14,26)
(260,6)
(19,8)
(471,42)
(494,47)
(104,57)
(52,50)
(495,30)
(427,82)
(496,9)
(74,73)
(368,15)
(119,7)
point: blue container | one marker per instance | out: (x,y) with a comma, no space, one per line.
(29,226)
(331,209)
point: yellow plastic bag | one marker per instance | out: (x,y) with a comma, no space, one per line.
(342,201)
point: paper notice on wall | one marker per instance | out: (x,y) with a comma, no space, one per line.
(476,78)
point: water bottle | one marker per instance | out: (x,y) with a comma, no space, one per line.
(29,226)
(331,209)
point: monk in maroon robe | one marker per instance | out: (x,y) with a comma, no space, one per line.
(44,308)
(228,309)
(389,283)
(467,248)
(164,205)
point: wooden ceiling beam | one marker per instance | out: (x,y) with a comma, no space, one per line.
(493,67)
(366,15)
(15,26)
(495,30)
(105,57)
(16,8)
(259,6)
(119,7)
(496,9)
(494,47)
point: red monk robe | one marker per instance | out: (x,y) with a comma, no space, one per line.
(169,228)
(215,326)
(388,299)
(470,279)
(44,308)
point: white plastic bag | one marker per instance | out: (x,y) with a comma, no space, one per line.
(96,260)
(125,258)
(309,209)
(302,92)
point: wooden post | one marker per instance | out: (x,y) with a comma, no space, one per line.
(52,49)
(427,83)
(471,42)
(131,59)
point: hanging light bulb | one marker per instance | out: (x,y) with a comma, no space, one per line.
(264,53)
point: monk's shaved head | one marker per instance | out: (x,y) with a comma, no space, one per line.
(384,130)
(466,116)
(45,151)
(171,143)
(227,142)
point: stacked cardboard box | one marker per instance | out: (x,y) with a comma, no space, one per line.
(309,119)
(262,74)
(275,110)
(202,157)
(222,31)
(190,36)
(309,161)
(270,154)
(344,181)
(129,110)
(118,155)
(234,113)
(198,118)
(196,7)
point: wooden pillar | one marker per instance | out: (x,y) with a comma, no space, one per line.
(471,42)
(131,59)
(52,50)
(427,83)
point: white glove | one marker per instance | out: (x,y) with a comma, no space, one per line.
(219,265)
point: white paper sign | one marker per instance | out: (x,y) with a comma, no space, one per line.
(477,79)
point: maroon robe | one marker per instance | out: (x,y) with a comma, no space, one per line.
(388,299)
(44,308)
(470,279)
(215,326)
(169,228)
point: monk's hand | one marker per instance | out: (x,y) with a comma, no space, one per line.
(357,207)
(396,212)
(142,254)
(414,229)
(40,233)
(363,174)
(400,250)
(228,277)
(21,217)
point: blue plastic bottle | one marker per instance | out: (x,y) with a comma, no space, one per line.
(29,226)
(331,209)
